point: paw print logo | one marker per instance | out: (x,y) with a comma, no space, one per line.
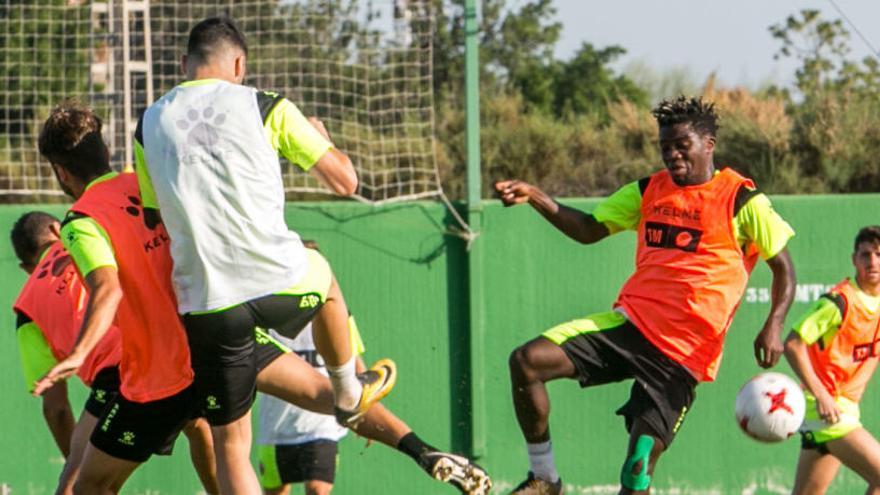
(127,438)
(151,218)
(212,403)
(201,126)
(55,266)
(101,396)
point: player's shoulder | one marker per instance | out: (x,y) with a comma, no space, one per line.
(744,195)
(70,219)
(267,102)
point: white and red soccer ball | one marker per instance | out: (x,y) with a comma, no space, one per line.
(770,407)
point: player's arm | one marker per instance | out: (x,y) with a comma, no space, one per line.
(768,344)
(823,319)
(92,253)
(760,225)
(580,226)
(334,169)
(36,360)
(306,143)
(620,211)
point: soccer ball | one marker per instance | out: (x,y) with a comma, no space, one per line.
(770,407)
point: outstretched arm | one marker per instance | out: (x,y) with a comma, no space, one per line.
(768,343)
(104,296)
(576,224)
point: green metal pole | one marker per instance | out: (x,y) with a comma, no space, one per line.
(475,211)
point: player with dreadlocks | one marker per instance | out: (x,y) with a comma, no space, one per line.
(700,231)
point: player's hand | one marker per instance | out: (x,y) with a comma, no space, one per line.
(60,371)
(319,126)
(827,408)
(514,192)
(768,346)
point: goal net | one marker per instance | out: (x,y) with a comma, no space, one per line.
(362,67)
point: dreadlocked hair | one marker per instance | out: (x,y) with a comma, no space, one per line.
(683,110)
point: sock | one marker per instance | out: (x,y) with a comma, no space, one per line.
(346,387)
(414,447)
(541,461)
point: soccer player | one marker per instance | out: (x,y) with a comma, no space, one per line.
(695,225)
(296,445)
(287,376)
(49,312)
(118,251)
(834,350)
(207,158)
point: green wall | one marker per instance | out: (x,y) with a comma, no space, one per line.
(405,277)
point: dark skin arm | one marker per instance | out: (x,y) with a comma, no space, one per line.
(768,343)
(576,224)
(59,416)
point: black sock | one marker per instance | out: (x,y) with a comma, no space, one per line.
(414,447)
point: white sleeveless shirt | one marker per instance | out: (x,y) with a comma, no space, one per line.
(219,188)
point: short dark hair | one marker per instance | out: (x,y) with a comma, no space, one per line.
(71,138)
(30,232)
(869,234)
(683,110)
(208,37)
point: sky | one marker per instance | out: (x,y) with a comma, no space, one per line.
(729,38)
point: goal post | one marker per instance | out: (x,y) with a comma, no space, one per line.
(364,68)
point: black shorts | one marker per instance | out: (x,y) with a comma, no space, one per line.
(104,389)
(283,464)
(615,350)
(226,357)
(134,431)
(268,349)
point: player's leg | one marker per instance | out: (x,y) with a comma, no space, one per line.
(532,365)
(570,350)
(317,487)
(645,448)
(280,490)
(291,379)
(318,298)
(859,451)
(126,435)
(78,442)
(104,391)
(222,348)
(661,395)
(816,469)
(102,473)
(201,452)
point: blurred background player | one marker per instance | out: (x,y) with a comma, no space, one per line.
(296,445)
(834,350)
(207,159)
(122,257)
(56,297)
(49,311)
(695,229)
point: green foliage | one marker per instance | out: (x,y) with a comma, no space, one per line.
(43,60)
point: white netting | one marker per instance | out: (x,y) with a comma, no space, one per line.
(364,68)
